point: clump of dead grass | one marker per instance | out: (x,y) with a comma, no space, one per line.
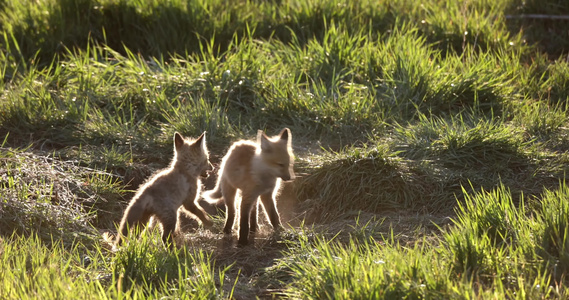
(364,179)
(57,200)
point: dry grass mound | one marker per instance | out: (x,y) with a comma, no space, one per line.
(54,199)
(370,179)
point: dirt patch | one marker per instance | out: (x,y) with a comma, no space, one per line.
(250,264)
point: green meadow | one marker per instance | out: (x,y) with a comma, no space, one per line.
(431,142)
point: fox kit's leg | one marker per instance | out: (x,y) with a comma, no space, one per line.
(271,208)
(168,221)
(134,216)
(248,201)
(253,225)
(196,209)
(228,192)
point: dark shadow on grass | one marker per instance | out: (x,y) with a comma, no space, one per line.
(166,29)
(25,124)
(550,35)
(454,42)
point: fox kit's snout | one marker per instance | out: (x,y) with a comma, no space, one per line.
(255,169)
(205,173)
(277,153)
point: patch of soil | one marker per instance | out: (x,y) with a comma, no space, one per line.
(251,262)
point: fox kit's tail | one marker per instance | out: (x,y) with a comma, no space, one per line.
(214,195)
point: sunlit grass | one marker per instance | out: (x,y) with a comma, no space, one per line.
(481,255)
(440,107)
(143,269)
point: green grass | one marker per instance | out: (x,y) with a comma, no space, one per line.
(493,249)
(398,109)
(141,270)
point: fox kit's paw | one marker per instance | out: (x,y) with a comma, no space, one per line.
(207,223)
(110,242)
(227,231)
(245,241)
(242,243)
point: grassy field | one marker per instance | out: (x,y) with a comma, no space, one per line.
(431,144)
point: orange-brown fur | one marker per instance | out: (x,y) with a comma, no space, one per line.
(256,170)
(171,191)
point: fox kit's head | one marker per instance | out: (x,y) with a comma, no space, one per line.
(276,152)
(192,156)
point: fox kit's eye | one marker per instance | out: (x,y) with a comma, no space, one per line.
(281,165)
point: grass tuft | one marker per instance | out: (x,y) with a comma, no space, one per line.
(368,179)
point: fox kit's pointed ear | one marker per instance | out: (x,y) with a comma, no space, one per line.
(201,140)
(264,141)
(178,140)
(285,134)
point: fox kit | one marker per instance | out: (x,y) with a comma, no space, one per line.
(255,169)
(165,192)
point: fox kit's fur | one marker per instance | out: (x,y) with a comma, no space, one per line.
(164,193)
(255,169)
